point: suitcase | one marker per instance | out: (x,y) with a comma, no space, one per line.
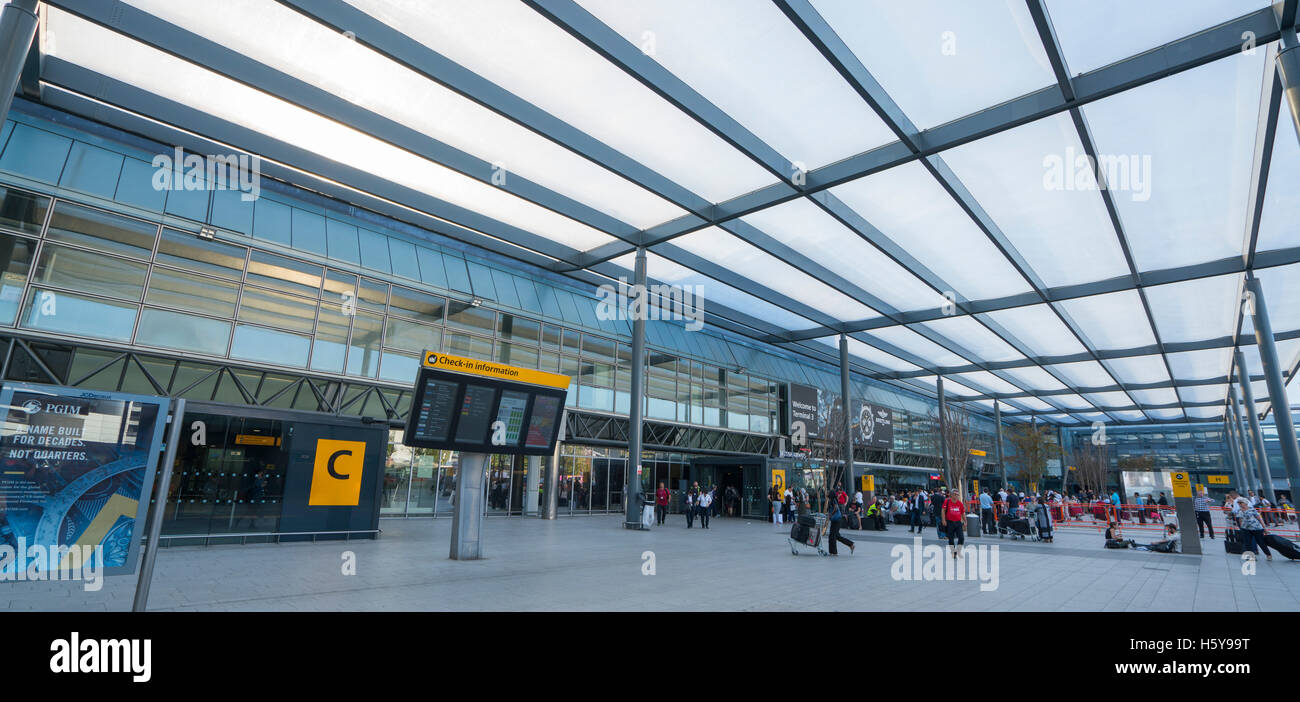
(1286,547)
(1232,542)
(807,520)
(854,522)
(801,532)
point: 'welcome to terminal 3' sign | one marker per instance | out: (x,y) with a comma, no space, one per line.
(872,425)
(464,404)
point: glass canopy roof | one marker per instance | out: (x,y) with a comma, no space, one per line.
(1054,205)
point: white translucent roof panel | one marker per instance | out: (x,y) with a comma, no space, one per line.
(1203,393)
(807,228)
(917,345)
(1182,206)
(976,338)
(869,354)
(1156,396)
(276,36)
(1100,32)
(533,58)
(942,59)
(950,387)
(1019,177)
(1084,374)
(1200,365)
(1281,286)
(1277,223)
(1210,412)
(1130,415)
(1070,401)
(742,258)
(1033,403)
(1286,351)
(909,206)
(748,59)
(1061,418)
(1109,399)
(1166,414)
(988,381)
(1034,378)
(1039,329)
(1196,310)
(116,56)
(661,269)
(1111,321)
(1094,416)
(1137,370)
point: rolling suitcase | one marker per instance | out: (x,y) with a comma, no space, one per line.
(1232,542)
(1286,547)
(801,532)
(807,520)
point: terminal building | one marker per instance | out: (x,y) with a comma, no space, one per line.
(272,209)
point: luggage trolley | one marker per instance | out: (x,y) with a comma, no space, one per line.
(807,532)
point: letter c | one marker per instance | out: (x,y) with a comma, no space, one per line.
(330,466)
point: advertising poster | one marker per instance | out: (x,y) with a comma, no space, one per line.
(76,469)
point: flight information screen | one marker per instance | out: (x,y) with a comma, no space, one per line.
(541,426)
(475,414)
(437,409)
(510,412)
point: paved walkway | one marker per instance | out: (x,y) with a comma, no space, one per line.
(590,563)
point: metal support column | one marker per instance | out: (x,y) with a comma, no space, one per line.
(551,497)
(943,434)
(1230,450)
(467,518)
(156,510)
(997,423)
(17,29)
(1263,475)
(1245,445)
(1276,388)
(1288,70)
(632,480)
(848,412)
(533,479)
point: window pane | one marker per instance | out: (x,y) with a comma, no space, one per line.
(100,230)
(410,336)
(284,274)
(211,257)
(330,349)
(269,346)
(518,328)
(517,355)
(15,261)
(467,316)
(337,283)
(399,367)
(372,296)
(75,314)
(466,345)
(182,331)
(90,272)
(192,292)
(277,310)
(363,352)
(416,305)
(22,211)
(597,347)
(550,336)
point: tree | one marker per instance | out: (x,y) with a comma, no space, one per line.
(1032,451)
(831,449)
(959,435)
(1091,462)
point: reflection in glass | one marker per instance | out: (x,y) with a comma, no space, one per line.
(192,292)
(182,331)
(22,211)
(101,230)
(284,274)
(270,346)
(363,354)
(69,313)
(277,310)
(212,257)
(90,272)
(15,262)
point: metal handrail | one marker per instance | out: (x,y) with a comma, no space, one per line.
(277,534)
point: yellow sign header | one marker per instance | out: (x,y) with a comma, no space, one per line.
(978,452)
(1217,479)
(490,369)
(1182,483)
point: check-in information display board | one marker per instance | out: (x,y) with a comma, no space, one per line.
(464,404)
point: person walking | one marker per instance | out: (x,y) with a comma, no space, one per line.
(1202,507)
(953,513)
(936,510)
(1252,529)
(688,501)
(986,513)
(836,520)
(706,506)
(915,507)
(661,504)
(1117,506)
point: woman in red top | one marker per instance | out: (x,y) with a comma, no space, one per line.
(954,514)
(661,503)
